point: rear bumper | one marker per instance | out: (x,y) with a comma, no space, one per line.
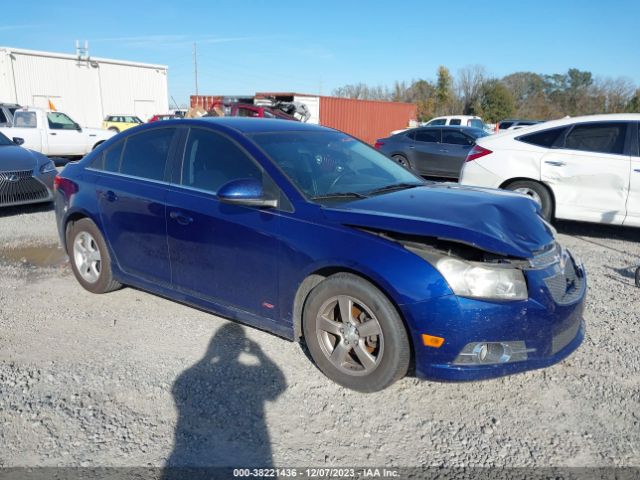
(473,173)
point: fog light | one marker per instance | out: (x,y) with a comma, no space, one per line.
(485,353)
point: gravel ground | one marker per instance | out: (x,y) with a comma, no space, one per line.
(132,379)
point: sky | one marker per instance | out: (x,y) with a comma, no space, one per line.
(247,46)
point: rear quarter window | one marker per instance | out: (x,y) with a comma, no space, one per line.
(544,138)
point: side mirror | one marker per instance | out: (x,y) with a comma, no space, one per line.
(247,192)
(78,128)
(18,140)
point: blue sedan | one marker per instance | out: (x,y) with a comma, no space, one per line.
(310,234)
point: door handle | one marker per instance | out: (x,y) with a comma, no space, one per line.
(555,163)
(443,150)
(636,170)
(52,133)
(110,196)
(411,147)
(180,217)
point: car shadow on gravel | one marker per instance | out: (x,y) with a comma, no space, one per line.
(595,230)
(221,406)
(26,209)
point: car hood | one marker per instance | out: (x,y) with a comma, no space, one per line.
(16,158)
(496,221)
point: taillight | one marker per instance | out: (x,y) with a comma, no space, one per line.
(65,185)
(378,144)
(476,152)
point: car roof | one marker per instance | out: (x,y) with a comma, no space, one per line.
(256,125)
(562,122)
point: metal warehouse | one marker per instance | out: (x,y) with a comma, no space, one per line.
(84,87)
(367,120)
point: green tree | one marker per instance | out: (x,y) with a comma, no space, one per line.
(634,104)
(495,101)
(444,91)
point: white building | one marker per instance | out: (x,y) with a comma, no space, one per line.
(86,88)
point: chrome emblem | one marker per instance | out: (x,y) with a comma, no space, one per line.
(13,178)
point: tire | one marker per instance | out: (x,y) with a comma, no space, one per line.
(538,192)
(363,363)
(114,129)
(638,277)
(89,257)
(402,160)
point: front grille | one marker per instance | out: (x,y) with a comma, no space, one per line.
(19,186)
(566,286)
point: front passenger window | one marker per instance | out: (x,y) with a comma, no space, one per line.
(211,160)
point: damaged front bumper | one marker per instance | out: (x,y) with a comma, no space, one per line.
(487,339)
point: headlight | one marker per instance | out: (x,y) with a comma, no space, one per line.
(48,167)
(476,280)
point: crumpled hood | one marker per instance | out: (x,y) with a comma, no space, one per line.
(17,158)
(492,220)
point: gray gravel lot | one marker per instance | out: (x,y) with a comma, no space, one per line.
(132,379)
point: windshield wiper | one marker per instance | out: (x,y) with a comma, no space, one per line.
(392,187)
(339,195)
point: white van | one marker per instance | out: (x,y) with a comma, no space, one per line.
(459,120)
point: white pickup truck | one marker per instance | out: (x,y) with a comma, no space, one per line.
(53,133)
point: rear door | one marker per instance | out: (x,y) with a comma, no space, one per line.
(633,202)
(222,253)
(132,191)
(589,172)
(453,151)
(425,151)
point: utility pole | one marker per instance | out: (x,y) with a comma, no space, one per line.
(195,65)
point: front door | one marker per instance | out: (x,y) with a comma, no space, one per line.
(64,136)
(132,192)
(226,254)
(589,173)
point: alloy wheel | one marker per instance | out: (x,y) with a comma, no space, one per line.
(349,335)
(86,256)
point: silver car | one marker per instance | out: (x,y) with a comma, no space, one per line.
(25,176)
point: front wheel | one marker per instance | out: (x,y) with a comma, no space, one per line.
(89,257)
(537,192)
(354,334)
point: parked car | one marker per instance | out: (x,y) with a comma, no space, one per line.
(25,176)
(6,113)
(431,151)
(53,133)
(456,120)
(306,232)
(581,168)
(248,110)
(515,124)
(119,123)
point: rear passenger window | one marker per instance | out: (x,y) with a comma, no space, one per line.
(455,121)
(211,160)
(455,138)
(544,138)
(145,154)
(429,136)
(601,137)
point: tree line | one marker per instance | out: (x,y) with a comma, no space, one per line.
(522,94)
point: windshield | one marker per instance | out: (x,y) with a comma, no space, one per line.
(5,141)
(332,164)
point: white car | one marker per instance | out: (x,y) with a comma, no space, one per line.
(53,133)
(580,168)
(457,120)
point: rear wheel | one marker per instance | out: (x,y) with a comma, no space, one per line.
(354,334)
(402,160)
(89,257)
(537,192)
